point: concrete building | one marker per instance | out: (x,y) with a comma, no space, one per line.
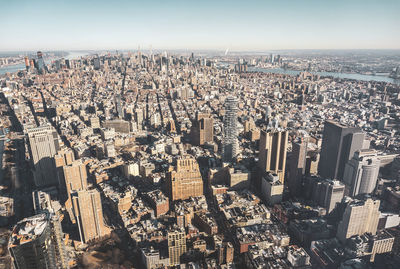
(202,130)
(324,192)
(297,166)
(37,242)
(88,211)
(185,180)
(176,246)
(338,145)
(361,172)
(230,143)
(271,188)
(95,122)
(43,145)
(151,258)
(272,152)
(359,217)
(75,178)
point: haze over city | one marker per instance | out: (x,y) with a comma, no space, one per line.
(217,25)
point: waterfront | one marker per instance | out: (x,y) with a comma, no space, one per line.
(326,74)
(14,68)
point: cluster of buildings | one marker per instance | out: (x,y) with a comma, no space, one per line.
(194,166)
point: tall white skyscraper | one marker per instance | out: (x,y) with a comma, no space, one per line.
(361,172)
(230,145)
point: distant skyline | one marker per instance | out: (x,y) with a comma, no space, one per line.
(254,25)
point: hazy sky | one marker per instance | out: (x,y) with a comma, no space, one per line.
(200,24)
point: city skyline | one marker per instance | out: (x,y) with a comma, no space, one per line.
(199,134)
(189,25)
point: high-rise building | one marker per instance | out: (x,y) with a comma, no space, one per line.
(272,152)
(43,145)
(75,178)
(185,180)
(361,172)
(324,192)
(202,130)
(62,158)
(88,212)
(37,242)
(27,63)
(297,166)
(230,143)
(339,143)
(176,245)
(359,217)
(118,106)
(96,63)
(40,62)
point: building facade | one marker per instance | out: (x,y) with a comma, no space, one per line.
(230,144)
(185,180)
(88,211)
(361,172)
(43,146)
(272,152)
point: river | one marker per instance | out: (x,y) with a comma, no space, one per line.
(326,74)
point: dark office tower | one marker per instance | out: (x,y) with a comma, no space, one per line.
(88,211)
(361,172)
(96,63)
(230,144)
(40,62)
(339,143)
(27,63)
(297,165)
(36,243)
(323,192)
(57,65)
(118,106)
(68,63)
(202,130)
(43,145)
(272,152)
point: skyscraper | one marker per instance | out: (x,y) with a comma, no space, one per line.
(361,172)
(230,144)
(297,165)
(118,106)
(36,242)
(40,62)
(202,130)
(324,192)
(359,217)
(43,145)
(26,63)
(339,143)
(75,178)
(185,180)
(96,63)
(176,245)
(272,152)
(88,212)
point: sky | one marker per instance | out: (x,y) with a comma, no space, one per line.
(247,25)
